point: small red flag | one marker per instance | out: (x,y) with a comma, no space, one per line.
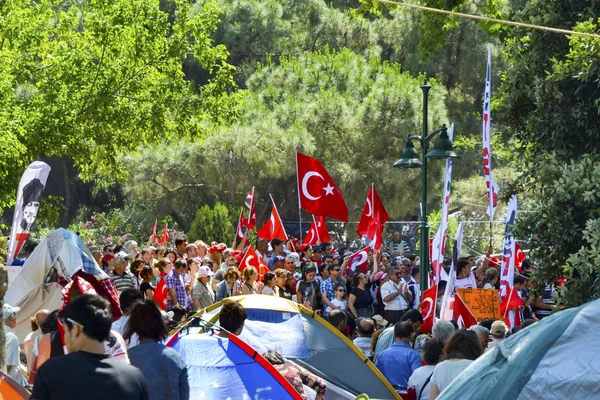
(322,229)
(160,293)
(318,193)
(373,208)
(242,222)
(251,259)
(462,315)
(164,238)
(359,260)
(428,302)
(519,256)
(273,228)
(250,204)
(312,237)
(510,308)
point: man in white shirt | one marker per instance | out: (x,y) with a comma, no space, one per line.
(13,361)
(396,296)
(465,279)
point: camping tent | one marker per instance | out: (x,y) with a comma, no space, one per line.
(62,250)
(556,358)
(10,389)
(305,338)
(229,369)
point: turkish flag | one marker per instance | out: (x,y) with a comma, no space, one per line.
(160,293)
(373,205)
(519,256)
(164,238)
(312,236)
(322,229)
(428,303)
(242,223)
(273,228)
(318,193)
(375,232)
(359,260)
(462,315)
(249,203)
(510,308)
(251,259)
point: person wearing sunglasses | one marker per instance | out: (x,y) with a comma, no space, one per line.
(328,286)
(339,302)
(396,296)
(87,372)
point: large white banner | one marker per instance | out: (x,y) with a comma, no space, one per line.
(29,193)
(492,186)
(446,313)
(507,272)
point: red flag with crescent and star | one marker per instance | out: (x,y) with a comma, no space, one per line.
(312,236)
(359,260)
(373,206)
(160,293)
(429,299)
(164,238)
(249,203)
(273,228)
(242,222)
(251,259)
(154,236)
(462,315)
(317,192)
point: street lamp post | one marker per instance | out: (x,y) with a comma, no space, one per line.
(410,159)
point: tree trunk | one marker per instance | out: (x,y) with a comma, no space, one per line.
(65,216)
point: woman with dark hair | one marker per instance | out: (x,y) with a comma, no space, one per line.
(136,268)
(171,255)
(421,378)
(459,352)
(146,276)
(281,289)
(269,281)
(165,371)
(309,290)
(229,286)
(360,302)
(297,376)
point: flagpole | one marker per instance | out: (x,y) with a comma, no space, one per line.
(278,216)
(299,204)
(317,228)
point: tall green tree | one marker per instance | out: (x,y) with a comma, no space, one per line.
(92,80)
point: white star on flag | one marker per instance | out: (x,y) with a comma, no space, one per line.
(328,190)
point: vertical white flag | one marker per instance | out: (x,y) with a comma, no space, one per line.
(492,186)
(446,312)
(29,193)
(439,241)
(507,272)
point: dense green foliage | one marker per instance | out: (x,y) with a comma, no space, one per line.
(141,100)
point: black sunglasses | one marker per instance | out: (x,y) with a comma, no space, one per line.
(341,290)
(337,269)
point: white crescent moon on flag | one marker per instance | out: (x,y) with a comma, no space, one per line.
(370,213)
(460,322)
(430,301)
(312,236)
(240,233)
(307,176)
(248,261)
(272,219)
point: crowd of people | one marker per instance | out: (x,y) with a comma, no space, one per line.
(117,336)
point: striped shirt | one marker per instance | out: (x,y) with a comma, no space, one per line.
(122,282)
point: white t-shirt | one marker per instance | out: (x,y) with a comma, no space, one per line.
(470,282)
(12,354)
(120,325)
(418,378)
(268,290)
(397,304)
(341,304)
(446,371)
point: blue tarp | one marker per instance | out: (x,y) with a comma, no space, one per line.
(219,369)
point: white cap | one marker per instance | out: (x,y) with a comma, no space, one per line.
(204,271)
(8,311)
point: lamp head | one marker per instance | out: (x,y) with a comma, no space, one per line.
(409,157)
(443,147)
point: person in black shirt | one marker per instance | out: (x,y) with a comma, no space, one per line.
(360,302)
(87,372)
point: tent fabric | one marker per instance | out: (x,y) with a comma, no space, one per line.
(61,249)
(220,368)
(10,389)
(274,324)
(555,358)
